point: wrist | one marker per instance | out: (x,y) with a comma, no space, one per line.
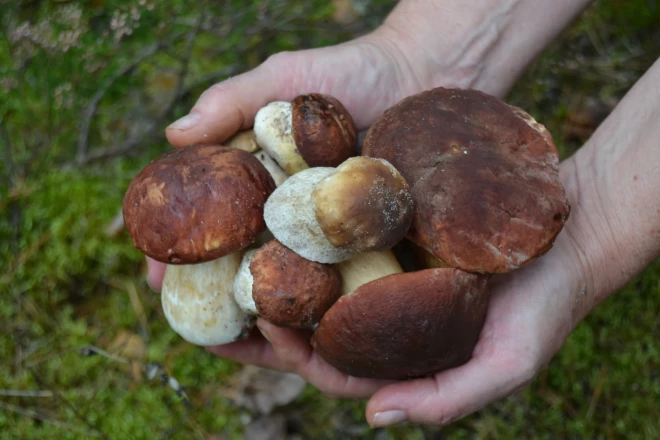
(473,44)
(612,185)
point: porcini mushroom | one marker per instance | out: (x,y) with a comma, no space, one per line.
(196,209)
(284,288)
(329,214)
(484,177)
(404,325)
(313,130)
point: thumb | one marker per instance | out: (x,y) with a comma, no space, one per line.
(231,105)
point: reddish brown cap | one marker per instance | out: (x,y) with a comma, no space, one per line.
(290,291)
(405,325)
(197,204)
(324,131)
(484,177)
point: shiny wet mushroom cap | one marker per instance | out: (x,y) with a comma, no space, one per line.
(197,203)
(484,177)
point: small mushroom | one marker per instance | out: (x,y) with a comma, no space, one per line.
(285,289)
(365,205)
(313,130)
(196,209)
(329,214)
(484,177)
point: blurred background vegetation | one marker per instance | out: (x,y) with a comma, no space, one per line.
(86,89)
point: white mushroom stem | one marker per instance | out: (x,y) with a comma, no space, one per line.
(273,127)
(366,267)
(199,303)
(277,173)
(243,283)
(244,140)
(290,216)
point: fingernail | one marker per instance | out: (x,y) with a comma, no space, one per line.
(387,418)
(186,122)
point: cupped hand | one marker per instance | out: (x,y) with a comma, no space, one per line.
(531,312)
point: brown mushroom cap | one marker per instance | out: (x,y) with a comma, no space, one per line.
(197,204)
(405,325)
(290,291)
(484,177)
(324,131)
(364,205)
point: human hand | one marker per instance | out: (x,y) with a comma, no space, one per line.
(607,239)
(531,312)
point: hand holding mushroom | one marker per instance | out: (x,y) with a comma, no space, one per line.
(471,181)
(531,309)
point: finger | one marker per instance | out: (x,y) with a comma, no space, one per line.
(289,350)
(448,396)
(255,350)
(296,354)
(155,274)
(231,105)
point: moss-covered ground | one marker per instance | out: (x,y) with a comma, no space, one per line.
(85,91)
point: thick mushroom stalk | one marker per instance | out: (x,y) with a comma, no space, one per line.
(313,130)
(244,140)
(196,209)
(330,214)
(366,267)
(199,304)
(284,288)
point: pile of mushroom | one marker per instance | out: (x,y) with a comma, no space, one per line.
(287,222)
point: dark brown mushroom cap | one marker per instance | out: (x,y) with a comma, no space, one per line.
(365,205)
(484,177)
(290,291)
(324,131)
(197,204)
(405,325)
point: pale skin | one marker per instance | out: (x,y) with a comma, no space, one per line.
(612,183)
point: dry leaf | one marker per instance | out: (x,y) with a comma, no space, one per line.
(344,11)
(261,391)
(129,345)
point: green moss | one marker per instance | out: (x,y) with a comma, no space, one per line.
(66,285)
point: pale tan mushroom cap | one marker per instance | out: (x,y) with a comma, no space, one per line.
(365,205)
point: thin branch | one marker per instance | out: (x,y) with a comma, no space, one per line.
(90,111)
(26,393)
(37,416)
(73,409)
(153,131)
